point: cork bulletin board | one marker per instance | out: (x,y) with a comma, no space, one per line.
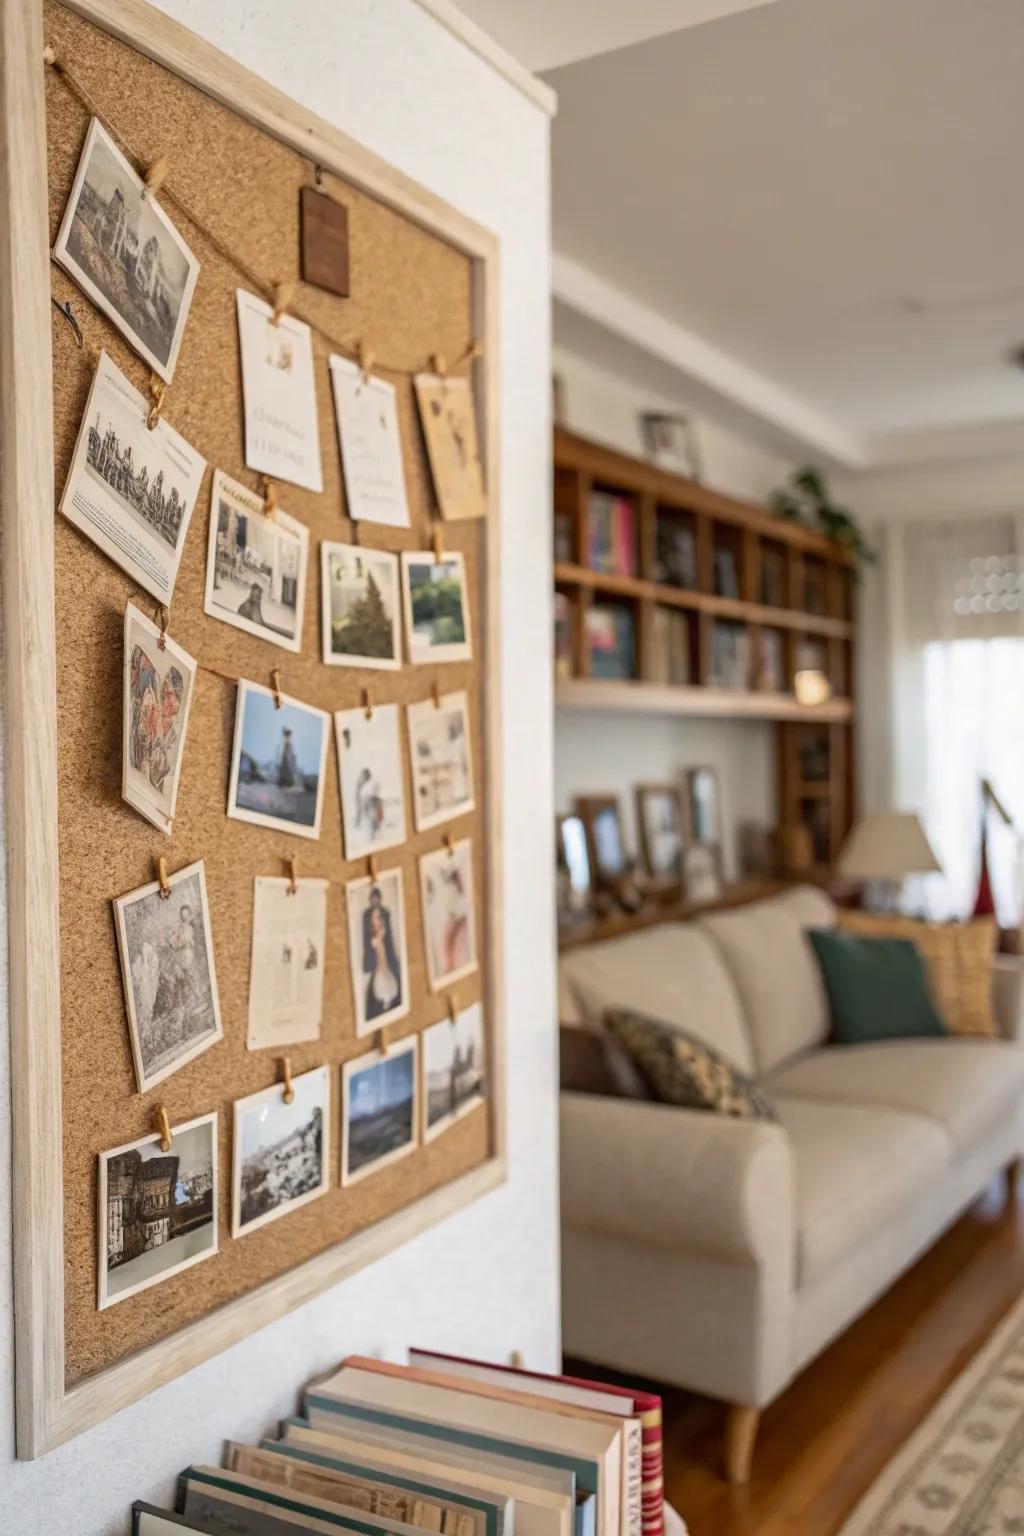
(421,284)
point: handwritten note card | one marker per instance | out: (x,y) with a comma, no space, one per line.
(371,449)
(281,434)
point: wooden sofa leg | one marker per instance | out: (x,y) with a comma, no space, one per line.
(740,1434)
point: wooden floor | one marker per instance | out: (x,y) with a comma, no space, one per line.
(824,1441)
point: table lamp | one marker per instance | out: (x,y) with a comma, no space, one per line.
(882,850)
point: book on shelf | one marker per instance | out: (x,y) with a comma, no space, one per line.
(563,537)
(563,636)
(675,553)
(611,534)
(730,656)
(610,635)
(669,660)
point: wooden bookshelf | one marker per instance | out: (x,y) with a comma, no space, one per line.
(595,929)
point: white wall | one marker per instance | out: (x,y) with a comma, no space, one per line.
(487,1280)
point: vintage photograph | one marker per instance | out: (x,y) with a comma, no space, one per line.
(371,779)
(659,814)
(360,607)
(448,417)
(453,1070)
(170,984)
(118,244)
(378,1109)
(286,969)
(158,681)
(449,916)
(132,491)
(436,607)
(157,1210)
(377,950)
(441,754)
(278,761)
(255,565)
(281,1158)
(371,447)
(282,434)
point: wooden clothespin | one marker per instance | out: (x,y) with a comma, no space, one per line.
(435,694)
(367,702)
(382,1041)
(293,878)
(365,361)
(318,178)
(283,295)
(156,176)
(269,496)
(371,865)
(275,686)
(447,841)
(162,618)
(440,364)
(163,1126)
(161,874)
(157,390)
(286,1072)
(453,1007)
(438,550)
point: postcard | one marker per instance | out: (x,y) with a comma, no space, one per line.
(158,681)
(282,434)
(371,447)
(130,490)
(377,950)
(441,754)
(372,780)
(286,971)
(123,251)
(378,1109)
(360,607)
(170,982)
(281,1157)
(436,607)
(148,1520)
(157,1210)
(449,916)
(255,565)
(448,417)
(453,1070)
(278,761)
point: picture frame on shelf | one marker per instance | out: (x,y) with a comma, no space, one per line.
(572,868)
(602,822)
(704,825)
(660,821)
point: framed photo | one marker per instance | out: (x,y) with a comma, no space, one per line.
(659,814)
(360,617)
(157,1210)
(448,418)
(704,805)
(286,968)
(281,1151)
(147,1520)
(442,759)
(454,1078)
(370,443)
(371,778)
(158,680)
(671,443)
(449,913)
(278,760)
(572,864)
(379,1118)
(436,607)
(170,982)
(282,433)
(378,957)
(255,565)
(124,253)
(603,824)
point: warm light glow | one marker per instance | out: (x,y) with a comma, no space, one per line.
(812,687)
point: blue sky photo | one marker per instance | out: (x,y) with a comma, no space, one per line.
(261,732)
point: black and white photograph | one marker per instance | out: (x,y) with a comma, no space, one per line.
(157,1209)
(170,983)
(130,490)
(286,968)
(441,754)
(282,433)
(371,446)
(122,250)
(436,607)
(255,565)
(360,615)
(449,916)
(454,1081)
(281,1157)
(158,682)
(659,813)
(278,761)
(371,779)
(377,950)
(378,1110)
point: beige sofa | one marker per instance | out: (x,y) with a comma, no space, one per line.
(723,1255)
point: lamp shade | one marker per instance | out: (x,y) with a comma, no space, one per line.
(887,845)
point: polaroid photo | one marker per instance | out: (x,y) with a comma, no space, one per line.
(360,615)
(448,417)
(449,913)
(158,681)
(255,565)
(281,1158)
(170,982)
(132,491)
(278,761)
(371,779)
(157,1210)
(441,754)
(436,607)
(286,970)
(454,1080)
(124,253)
(378,959)
(371,447)
(148,1520)
(282,434)
(378,1110)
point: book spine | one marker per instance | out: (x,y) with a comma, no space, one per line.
(632,1477)
(652,1474)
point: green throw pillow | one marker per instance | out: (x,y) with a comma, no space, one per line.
(877,988)
(681,1070)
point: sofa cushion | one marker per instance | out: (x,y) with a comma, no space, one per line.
(682,1070)
(962,1085)
(878,989)
(671,972)
(769,957)
(958,957)
(857,1168)
(593,1061)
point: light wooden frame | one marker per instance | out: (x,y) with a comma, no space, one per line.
(49,1413)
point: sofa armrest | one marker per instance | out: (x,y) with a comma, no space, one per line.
(1008,995)
(677,1178)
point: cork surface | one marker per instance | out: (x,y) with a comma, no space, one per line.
(411,295)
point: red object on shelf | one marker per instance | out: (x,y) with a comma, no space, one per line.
(984,904)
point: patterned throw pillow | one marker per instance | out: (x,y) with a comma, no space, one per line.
(957,957)
(682,1070)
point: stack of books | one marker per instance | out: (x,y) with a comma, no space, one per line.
(443,1445)
(611,544)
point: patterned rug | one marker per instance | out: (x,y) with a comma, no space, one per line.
(962,1472)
